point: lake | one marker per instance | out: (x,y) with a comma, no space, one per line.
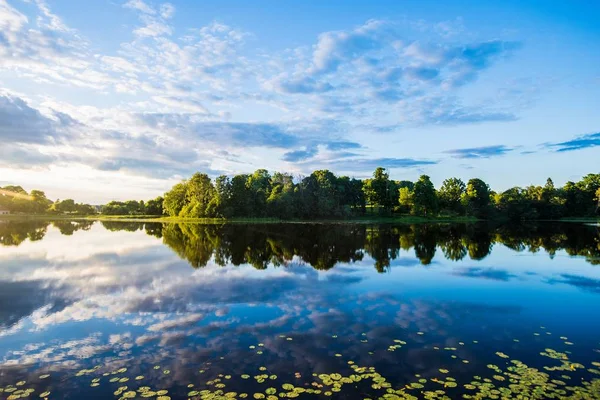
(97,310)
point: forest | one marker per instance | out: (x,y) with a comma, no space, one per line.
(323,195)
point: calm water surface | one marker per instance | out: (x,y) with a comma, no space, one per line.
(126,310)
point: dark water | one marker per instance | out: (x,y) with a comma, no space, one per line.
(299,310)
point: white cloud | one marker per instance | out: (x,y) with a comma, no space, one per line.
(171,93)
(167,10)
(140,5)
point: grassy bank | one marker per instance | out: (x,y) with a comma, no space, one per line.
(367,219)
(581,220)
(406,219)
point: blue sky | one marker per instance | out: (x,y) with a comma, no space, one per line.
(144,93)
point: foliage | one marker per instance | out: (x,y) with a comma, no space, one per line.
(450,195)
(324,195)
(16,200)
(425,201)
(320,195)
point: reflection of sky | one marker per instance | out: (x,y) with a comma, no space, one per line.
(114,296)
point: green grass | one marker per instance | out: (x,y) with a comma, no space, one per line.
(404,219)
(588,219)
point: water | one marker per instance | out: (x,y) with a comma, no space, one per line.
(425,311)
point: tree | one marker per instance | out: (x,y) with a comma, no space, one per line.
(515,204)
(65,206)
(450,195)
(240,198)
(281,200)
(198,195)
(476,198)
(380,191)
(424,197)
(352,197)
(259,188)
(39,202)
(175,199)
(155,206)
(406,199)
(220,204)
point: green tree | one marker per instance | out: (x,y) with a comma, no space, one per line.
(39,202)
(380,191)
(516,204)
(406,200)
(281,200)
(155,206)
(199,193)
(240,196)
(477,198)
(175,199)
(424,197)
(450,195)
(220,205)
(259,188)
(65,206)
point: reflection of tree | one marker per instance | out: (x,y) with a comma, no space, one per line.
(426,237)
(479,242)
(383,245)
(453,246)
(122,226)
(324,245)
(70,227)
(14,233)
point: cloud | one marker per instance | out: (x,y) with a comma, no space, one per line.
(466,62)
(167,101)
(335,48)
(369,164)
(183,104)
(484,273)
(378,59)
(480,152)
(20,123)
(139,5)
(302,85)
(581,282)
(579,143)
(300,155)
(342,145)
(23,157)
(167,10)
(183,322)
(451,111)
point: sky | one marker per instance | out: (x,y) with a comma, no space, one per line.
(120,99)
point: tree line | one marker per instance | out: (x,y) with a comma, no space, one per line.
(322,194)
(16,200)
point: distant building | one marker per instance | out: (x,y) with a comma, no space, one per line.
(4,212)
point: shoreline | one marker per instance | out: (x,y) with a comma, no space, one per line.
(359,220)
(151,218)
